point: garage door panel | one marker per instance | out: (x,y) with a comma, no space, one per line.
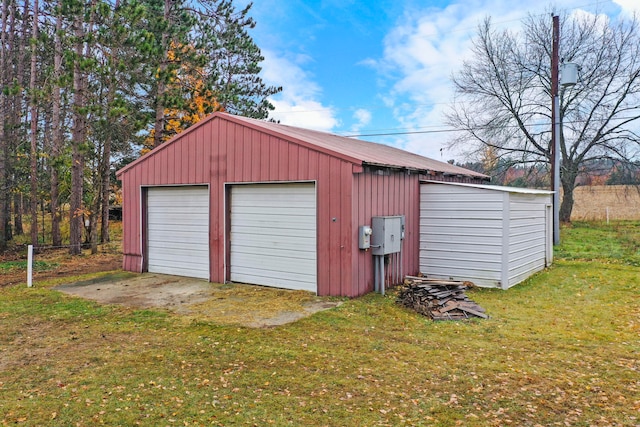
(284,249)
(271,212)
(176,217)
(272,262)
(178,231)
(177,249)
(298,281)
(278,221)
(273,235)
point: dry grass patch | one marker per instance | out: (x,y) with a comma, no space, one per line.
(257,306)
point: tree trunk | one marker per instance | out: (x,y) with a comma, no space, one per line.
(158,129)
(93,220)
(57,136)
(78,134)
(34,127)
(568,176)
(104,194)
(17,214)
(4,191)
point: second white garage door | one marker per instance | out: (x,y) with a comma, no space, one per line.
(273,235)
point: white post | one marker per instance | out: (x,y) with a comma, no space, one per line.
(607,215)
(30,266)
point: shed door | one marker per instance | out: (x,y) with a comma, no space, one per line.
(178,231)
(273,235)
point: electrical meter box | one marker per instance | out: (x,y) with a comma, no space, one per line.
(364,237)
(387,234)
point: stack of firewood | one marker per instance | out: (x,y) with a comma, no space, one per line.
(439,299)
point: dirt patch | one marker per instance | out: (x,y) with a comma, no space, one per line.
(246,305)
(59,264)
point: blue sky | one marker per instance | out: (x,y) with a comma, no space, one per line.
(356,67)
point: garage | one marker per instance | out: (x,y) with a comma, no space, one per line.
(273,235)
(178,230)
(235,199)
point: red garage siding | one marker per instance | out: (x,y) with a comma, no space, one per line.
(239,154)
(224,150)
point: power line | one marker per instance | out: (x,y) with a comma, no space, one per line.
(451,130)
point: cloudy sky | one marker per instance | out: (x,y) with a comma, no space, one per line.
(370,67)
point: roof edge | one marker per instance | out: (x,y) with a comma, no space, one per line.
(502,188)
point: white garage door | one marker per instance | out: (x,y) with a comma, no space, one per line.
(178,231)
(273,235)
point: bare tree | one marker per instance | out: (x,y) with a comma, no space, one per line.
(504,94)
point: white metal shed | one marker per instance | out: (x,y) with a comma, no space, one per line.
(489,235)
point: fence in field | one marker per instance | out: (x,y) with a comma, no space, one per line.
(606,202)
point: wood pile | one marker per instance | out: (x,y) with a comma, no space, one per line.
(439,299)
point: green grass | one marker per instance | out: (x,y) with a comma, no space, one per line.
(617,242)
(562,348)
(6,266)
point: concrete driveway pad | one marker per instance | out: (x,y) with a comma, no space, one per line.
(240,304)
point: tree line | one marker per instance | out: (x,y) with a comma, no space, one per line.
(85,82)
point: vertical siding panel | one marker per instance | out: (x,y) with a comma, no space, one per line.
(164,167)
(264,157)
(200,155)
(247,146)
(239,149)
(188,157)
(273,157)
(256,155)
(215,142)
(171,164)
(136,225)
(364,265)
(335,251)
(283,170)
(355,218)
(303,163)
(324,227)
(349,239)
(230,147)
(292,161)
(181,175)
(313,164)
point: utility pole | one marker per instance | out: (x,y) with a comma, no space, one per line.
(555,129)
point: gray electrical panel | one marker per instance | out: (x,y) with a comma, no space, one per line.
(387,234)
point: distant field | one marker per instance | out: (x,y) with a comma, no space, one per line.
(622,202)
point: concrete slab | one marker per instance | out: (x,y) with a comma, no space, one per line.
(246,305)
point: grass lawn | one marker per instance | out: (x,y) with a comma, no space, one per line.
(562,348)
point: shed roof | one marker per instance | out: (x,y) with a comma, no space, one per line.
(501,188)
(350,149)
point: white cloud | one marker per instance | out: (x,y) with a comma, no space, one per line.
(628,6)
(363,118)
(298,104)
(426,48)
(420,55)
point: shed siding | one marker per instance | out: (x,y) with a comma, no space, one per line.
(461,233)
(527,236)
(380,195)
(222,152)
